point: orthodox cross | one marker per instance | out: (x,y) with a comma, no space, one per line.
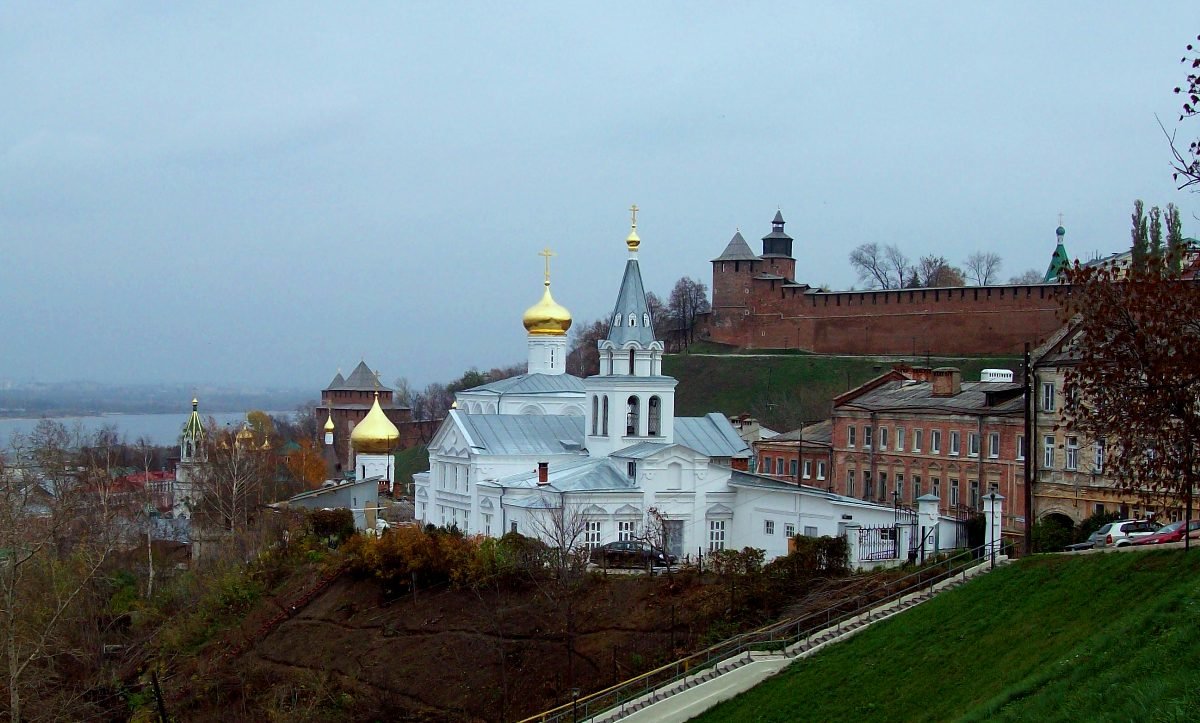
(633,210)
(547,253)
(1060,219)
(375,377)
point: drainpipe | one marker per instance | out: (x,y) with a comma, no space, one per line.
(871,455)
(1030,431)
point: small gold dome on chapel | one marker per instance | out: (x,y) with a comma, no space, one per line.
(375,434)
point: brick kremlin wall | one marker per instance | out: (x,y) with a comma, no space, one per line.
(773,313)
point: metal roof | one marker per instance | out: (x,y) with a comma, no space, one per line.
(533,384)
(631,302)
(523,433)
(737,250)
(711,435)
(583,475)
(999,398)
(821,432)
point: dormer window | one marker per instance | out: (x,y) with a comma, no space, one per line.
(633,320)
(646,320)
(617,320)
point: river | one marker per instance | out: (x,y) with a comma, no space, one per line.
(159,429)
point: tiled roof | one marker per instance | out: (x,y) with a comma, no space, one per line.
(737,250)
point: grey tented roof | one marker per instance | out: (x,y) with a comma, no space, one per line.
(737,250)
(362,379)
(711,435)
(524,433)
(631,300)
(533,384)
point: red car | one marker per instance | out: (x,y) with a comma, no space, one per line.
(1171,533)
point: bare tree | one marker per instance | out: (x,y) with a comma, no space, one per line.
(561,524)
(584,358)
(55,538)
(231,480)
(881,267)
(659,314)
(934,271)
(1186,163)
(982,267)
(688,299)
(1030,276)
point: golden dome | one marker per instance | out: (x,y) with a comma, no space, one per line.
(547,317)
(244,435)
(632,241)
(329,422)
(375,434)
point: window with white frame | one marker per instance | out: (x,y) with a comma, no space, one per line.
(883,437)
(882,486)
(487,525)
(791,468)
(624,530)
(768,527)
(1047,396)
(821,469)
(1048,451)
(916,487)
(716,535)
(954,444)
(899,487)
(972,444)
(899,439)
(789,530)
(1098,459)
(918,439)
(779,466)
(810,531)
(807,468)
(591,535)
(953,493)
(935,441)
(1020,447)
(936,487)
(851,431)
(973,486)
(868,437)
(850,483)
(1072,462)
(993,445)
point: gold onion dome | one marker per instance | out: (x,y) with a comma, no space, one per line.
(375,434)
(244,435)
(547,317)
(329,421)
(632,241)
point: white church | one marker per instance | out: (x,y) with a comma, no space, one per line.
(609,448)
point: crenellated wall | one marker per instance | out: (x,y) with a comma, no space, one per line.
(752,311)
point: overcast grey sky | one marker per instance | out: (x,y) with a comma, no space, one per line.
(265,192)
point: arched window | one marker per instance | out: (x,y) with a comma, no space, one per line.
(631,372)
(604,419)
(631,417)
(646,320)
(551,357)
(652,420)
(633,319)
(617,320)
(595,416)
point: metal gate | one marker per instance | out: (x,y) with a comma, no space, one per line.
(878,543)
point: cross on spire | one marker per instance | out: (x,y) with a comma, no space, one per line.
(1059,219)
(633,210)
(547,253)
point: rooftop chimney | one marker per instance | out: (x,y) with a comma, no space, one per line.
(947,382)
(543,473)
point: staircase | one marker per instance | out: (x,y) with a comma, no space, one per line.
(804,646)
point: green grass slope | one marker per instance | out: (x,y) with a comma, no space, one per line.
(784,385)
(1095,637)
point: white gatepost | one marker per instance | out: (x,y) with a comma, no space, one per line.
(852,545)
(927,525)
(993,513)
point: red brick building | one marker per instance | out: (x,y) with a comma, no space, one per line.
(758,303)
(912,432)
(803,456)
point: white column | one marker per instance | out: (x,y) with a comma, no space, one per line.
(927,525)
(993,513)
(852,545)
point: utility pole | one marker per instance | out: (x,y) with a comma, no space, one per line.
(1027,370)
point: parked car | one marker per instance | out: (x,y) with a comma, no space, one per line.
(630,553)
(1087,544)
(1171,533)
(1122,533)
